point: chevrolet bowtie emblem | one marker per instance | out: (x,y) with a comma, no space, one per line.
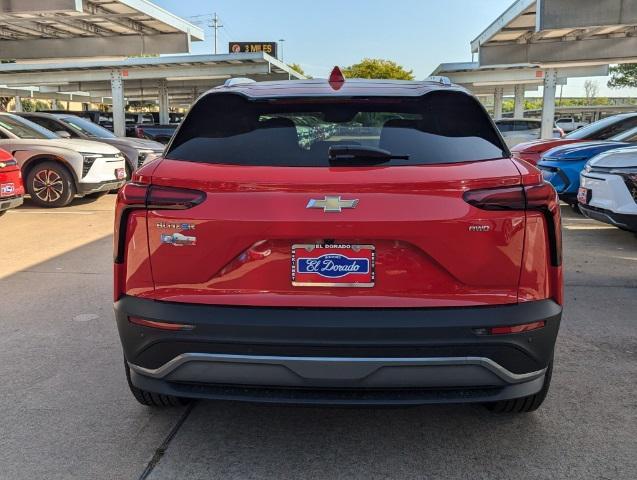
(332,204)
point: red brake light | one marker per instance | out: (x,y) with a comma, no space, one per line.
(540,197)
(337,79)
(139,132)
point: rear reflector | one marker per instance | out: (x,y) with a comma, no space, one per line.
(527,327)
(173,327)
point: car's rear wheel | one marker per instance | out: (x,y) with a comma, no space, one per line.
(151,399)
(524,404)
(50,185)
(575,208)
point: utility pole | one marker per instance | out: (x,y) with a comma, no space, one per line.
(216,25)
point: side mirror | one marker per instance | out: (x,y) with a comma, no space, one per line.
(63,134)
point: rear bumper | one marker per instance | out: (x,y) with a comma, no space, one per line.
(9,203)
(625,221)
(338,356)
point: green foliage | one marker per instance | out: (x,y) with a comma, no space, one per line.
(29,105)
(297,67)
(624,75)
(378,68)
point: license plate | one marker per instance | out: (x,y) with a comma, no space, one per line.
(333,266)
(7,189)
(583,195)
(120,173)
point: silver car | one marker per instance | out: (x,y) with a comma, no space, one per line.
(137,151)
(56,170)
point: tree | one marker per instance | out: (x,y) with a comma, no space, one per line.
(297,67)
(378,68)
(624,75)
(590,91)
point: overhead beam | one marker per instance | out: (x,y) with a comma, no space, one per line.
(49,6)
(592,51)
(557,14)
(126,45)
(63,77)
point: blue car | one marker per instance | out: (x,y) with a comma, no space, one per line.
(561,166)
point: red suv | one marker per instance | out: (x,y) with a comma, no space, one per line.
(338,242)
(11,187)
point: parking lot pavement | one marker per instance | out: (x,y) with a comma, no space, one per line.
(66,411)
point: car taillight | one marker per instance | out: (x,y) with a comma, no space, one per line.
(139,132)
(136,196)
(541,197)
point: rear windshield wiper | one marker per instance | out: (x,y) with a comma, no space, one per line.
(361,154)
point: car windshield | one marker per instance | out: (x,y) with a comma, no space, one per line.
(603,129)
(25,129)
(441,127)
(87,127)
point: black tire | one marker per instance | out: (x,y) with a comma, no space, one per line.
(151,399)
(50,185)
(524,404)
(2,213)
(575,208)
(96,195)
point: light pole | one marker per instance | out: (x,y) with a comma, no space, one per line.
(281,40)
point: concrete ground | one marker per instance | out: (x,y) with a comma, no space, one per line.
(66,413)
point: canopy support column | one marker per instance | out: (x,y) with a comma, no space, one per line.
(119,104)
(498,96)
(18,104)
(520,91)
(548,108)
(164,104)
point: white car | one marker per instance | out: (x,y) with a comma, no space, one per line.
(569,124)
(608,188)
(56,170)
(521,130)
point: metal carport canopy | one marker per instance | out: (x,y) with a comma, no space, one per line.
(31,29)
(183,77)
(554,34)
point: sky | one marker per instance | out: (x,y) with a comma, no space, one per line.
(418,34)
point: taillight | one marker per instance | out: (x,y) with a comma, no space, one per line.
(136,196)
(541,197)
(139,132)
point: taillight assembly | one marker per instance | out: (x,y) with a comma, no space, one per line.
(136,196)
(541,197)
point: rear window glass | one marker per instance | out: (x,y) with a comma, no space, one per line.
(441,127)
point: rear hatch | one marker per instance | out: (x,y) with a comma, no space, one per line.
(386,225)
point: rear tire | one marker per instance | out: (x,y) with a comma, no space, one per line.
(151,399)
(50,185)
(575,208)
(524,404)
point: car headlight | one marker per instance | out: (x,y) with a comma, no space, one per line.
(88,159)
